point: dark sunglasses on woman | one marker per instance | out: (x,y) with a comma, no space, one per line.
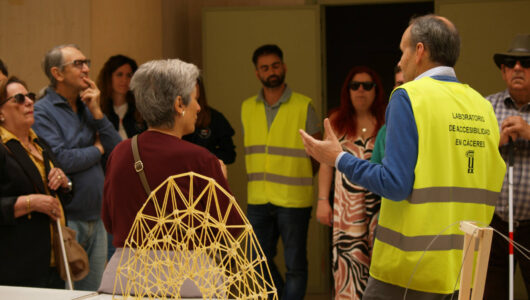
(20,98)
(354,85)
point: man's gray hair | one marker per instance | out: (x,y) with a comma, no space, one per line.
(157,83)
(54,58)
(440,38)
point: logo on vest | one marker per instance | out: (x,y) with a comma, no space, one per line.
(205,133)
(470,161)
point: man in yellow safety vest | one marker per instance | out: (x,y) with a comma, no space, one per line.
(442,165)
(280,173)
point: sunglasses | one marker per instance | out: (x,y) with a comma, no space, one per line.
(20,98)
(510,62)
(354,85)
(78,63)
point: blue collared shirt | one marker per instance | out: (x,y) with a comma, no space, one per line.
(71,137)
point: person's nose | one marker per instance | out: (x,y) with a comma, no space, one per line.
(518,65)
(28,101)
(85,68)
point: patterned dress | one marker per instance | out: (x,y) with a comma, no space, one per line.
(355,213)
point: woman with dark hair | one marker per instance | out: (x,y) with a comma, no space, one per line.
(212,130)
(118,104)
(355,209)
(33,191)
(117,100)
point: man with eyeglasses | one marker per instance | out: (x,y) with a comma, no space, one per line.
(441,166)
(70,120)
(280,174)
(512,108)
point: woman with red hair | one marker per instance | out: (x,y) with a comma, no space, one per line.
(354,214)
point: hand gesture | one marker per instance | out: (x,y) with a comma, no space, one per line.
(325,151)
(514,127)
(90,96)
(56,179)
(45,204)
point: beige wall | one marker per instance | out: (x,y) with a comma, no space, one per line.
(486,27)
(183,23)
(29,28)
(130,27)
(142,29)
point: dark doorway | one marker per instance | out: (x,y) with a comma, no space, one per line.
(366,35)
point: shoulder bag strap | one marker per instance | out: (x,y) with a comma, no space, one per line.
(139,165)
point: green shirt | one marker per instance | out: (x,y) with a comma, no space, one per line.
(378,153)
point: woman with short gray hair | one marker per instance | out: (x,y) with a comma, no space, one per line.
(157,84)
(166,96)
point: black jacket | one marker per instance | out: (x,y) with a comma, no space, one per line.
(25,244)
(131,125)
(217,137)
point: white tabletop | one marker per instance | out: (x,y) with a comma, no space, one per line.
(29,293)
(23,293)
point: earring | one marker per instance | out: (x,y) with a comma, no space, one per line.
(183,112)
(2,119)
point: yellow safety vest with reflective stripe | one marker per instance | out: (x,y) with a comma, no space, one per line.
(458,176)
(278,169)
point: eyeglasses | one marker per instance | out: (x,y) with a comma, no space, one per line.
(78,63)
(511,61)
(20,98)
(354,85)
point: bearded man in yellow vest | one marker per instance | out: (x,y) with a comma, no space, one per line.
(280,173)
(442,166)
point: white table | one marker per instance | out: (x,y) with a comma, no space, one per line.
(28,293)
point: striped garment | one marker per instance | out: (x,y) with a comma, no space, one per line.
(504,106)
(355,212)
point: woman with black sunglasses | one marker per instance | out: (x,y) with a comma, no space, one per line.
(355,209)
(32,194)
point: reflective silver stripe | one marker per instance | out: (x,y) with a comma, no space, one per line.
(280,179)
(419,243)
(255,176)
(275,151)
(255,149)
(287,151)
(453,194)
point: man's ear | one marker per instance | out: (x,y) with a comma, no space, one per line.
(57,74)
(421,52)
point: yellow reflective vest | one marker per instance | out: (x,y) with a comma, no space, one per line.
(278,169)
(458,176)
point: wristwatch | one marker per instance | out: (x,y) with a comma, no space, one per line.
(69,187)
